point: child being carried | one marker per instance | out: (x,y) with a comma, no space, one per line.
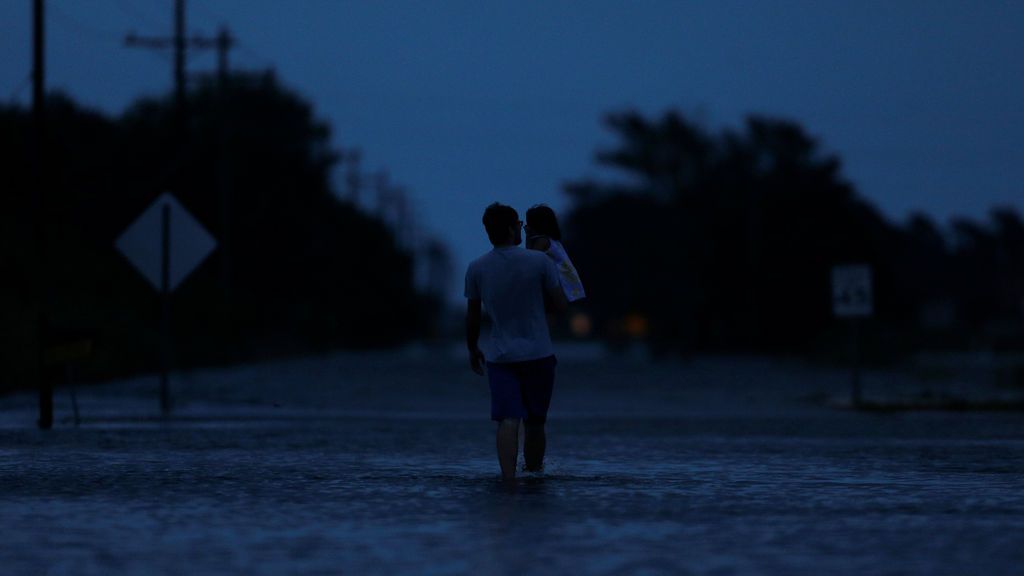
(543,234)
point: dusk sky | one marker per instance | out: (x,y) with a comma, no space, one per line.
(465,103)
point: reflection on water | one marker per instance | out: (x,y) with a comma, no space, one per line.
(845,494)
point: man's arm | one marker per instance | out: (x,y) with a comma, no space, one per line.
(555,300)
(554,297)
(476,357)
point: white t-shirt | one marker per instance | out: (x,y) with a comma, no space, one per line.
(510,281)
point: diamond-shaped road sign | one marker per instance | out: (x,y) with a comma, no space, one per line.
(188,242)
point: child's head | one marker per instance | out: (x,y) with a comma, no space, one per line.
(541,219)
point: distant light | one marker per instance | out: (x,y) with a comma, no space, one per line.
(635,326)
(580,325)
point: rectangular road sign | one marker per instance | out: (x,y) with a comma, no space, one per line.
(852,294)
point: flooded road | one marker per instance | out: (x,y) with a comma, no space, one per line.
(344,465)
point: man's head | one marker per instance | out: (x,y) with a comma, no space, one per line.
(503,225)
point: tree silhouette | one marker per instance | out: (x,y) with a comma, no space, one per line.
(308,271)
(726,241)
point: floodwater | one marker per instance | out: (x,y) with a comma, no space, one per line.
(385,464)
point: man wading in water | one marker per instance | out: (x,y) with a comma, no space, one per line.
(514,284)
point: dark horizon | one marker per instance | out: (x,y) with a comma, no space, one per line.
(743,216)
(464,106)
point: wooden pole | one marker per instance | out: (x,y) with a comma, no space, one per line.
(856,397)
(45,421)
(165,310)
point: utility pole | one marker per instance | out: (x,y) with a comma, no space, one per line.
(223,42)
(393,210)
(179,43)
(383,190)
(39,208)
(179,59)
(353,177)
(405,233)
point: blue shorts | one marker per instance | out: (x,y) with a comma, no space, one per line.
(521,389)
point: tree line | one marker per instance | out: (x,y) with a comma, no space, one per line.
(307,270)
(724,241)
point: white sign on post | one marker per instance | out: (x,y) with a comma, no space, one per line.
(188,242)
(852,295)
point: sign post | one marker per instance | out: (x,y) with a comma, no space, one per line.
(165,244)
(165,308)
(72,349)
(853,300)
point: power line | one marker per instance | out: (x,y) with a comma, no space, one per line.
(96,33)
(222,43)
(213,16)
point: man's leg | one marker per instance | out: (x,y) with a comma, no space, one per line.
(538,385)
(534,446)
(508,447)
